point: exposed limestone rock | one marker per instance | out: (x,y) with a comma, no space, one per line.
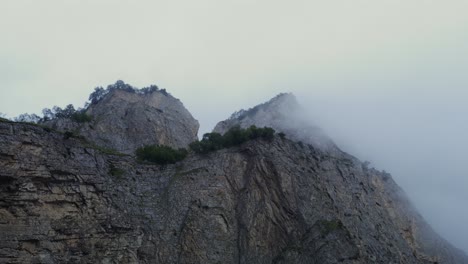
(262,202)
(125,121)
(283,113)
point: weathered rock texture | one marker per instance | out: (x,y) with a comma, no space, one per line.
(262,202)
(283,113)
(125,121)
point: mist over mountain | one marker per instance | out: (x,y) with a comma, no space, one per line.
(384,81)
(282,113)
(75,189)
(415,134)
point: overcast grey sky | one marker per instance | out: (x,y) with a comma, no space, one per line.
(386,79)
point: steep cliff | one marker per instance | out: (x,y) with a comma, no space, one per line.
(125,120)
(63,201)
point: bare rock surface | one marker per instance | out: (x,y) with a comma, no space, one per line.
(125,121)
(62,201)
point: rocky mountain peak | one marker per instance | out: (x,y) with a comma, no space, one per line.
(284,114)
(124,118)
(277,105)
(265,200)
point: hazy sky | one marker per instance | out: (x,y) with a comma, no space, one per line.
(387,79)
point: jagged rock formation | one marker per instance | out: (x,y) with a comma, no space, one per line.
(125,120)
(283,113)
(263,202)
(62,200)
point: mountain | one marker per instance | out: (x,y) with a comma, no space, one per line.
(284,114)
(125,120)
(64,200)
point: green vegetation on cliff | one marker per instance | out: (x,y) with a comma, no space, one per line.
(234,137)
(211,142)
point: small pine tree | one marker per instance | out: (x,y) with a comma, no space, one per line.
(282,135)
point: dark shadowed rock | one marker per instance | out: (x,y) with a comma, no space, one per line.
(125,120)
(62,201)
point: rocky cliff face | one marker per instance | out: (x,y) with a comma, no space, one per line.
(62,201)
(125,121)
(283,113)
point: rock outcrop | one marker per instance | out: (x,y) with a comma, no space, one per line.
(63,201)
(126,120)
(283,113)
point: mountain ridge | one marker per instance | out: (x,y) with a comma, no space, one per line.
(272,200)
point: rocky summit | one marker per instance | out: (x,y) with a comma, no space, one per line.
(125,120)
(284,114)
(65,200)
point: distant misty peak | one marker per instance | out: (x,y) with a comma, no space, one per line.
(283,113)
